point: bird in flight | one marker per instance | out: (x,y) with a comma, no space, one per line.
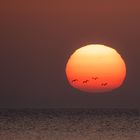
(94,78)
(85,81)
(74,80)
(104,84)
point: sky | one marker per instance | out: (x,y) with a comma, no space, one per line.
(37,38)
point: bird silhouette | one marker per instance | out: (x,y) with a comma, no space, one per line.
(85,81)
(74,80)
(104,84)
(94,78)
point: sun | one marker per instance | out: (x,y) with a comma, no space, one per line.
(95,68)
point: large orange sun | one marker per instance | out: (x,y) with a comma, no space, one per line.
(95,68)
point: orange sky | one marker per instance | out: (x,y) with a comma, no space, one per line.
(37,38)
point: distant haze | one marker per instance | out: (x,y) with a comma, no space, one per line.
(37,38)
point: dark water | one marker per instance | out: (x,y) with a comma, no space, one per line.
(69,124)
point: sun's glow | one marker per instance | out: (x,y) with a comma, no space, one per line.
(95,68)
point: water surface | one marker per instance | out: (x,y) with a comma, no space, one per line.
(69,124)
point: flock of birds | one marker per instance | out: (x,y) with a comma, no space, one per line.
(86,81)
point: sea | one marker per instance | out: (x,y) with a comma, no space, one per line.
(69,124)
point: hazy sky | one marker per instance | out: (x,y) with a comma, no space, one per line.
(37,38)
